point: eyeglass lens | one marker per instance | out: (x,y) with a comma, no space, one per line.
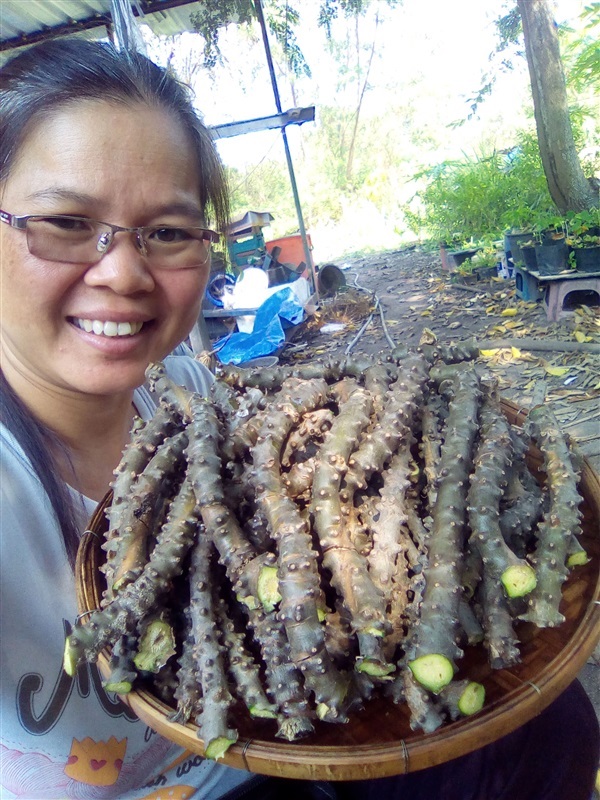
(82,241)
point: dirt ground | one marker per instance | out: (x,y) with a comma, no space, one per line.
(402,296)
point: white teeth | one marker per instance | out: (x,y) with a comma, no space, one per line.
(109,328)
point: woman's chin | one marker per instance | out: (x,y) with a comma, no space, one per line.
(114,380)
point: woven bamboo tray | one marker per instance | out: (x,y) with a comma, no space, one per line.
(378,741)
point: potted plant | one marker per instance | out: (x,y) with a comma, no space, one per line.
(584,222)
(528,251)
(550,228)
(519,224)
(545,227)
(583,238)
(550,254)
(551,259)
(585,250)
(481,266)
(461,251)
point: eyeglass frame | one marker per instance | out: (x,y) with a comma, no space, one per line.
(19,222)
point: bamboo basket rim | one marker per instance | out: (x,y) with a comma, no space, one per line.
(356,750)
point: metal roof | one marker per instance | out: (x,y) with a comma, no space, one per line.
(24,22)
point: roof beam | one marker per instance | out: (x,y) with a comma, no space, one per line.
(295,116)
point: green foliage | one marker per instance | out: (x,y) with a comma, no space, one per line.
(212,15)
(584,241)
(281,18)
(583,228)
(581,222)
(583,53)
(329,10)
(452,210)
(281,22)
(509,28)
(478,198)
(264,187)
(484,259)
(509,44)
(580,52)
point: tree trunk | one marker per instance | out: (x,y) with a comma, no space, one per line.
(567,184)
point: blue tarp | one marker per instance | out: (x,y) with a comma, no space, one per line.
(280,311)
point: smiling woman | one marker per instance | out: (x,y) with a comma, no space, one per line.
(87,134)
(64,276)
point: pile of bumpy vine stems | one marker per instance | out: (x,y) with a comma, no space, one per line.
(309,536)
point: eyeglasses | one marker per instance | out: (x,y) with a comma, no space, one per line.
(78,240)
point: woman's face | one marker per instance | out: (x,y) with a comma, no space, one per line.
(130,166)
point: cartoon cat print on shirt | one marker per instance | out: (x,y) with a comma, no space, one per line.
(97,763)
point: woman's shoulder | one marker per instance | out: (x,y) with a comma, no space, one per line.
(183,370)
(13,457)
(26,515)
(187,372)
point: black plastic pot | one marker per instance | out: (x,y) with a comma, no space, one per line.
(460,256)
(512,246)
(587,259)
(466,279)
(552,236)
(551,258)
(529,257)
(485,273)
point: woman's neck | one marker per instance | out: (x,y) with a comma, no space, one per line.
(95,443)
(93,430)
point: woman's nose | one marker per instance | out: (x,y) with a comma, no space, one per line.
(122,268)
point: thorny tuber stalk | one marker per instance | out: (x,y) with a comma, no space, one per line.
(131,522)
(559,525)
(213,725)
(136,599)
(492,462)
(349,574)
(297,566)
(236,555)
(434,648)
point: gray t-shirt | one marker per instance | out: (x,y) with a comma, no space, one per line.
(66,737)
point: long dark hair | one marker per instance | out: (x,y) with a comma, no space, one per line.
(35,84)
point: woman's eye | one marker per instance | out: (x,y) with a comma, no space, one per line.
(170,235)
(75,224)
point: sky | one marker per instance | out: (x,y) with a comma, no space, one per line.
(432,52)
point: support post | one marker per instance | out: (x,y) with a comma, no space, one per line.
(261,21)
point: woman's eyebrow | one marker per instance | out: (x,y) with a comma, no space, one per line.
(56,193)
(187,209)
